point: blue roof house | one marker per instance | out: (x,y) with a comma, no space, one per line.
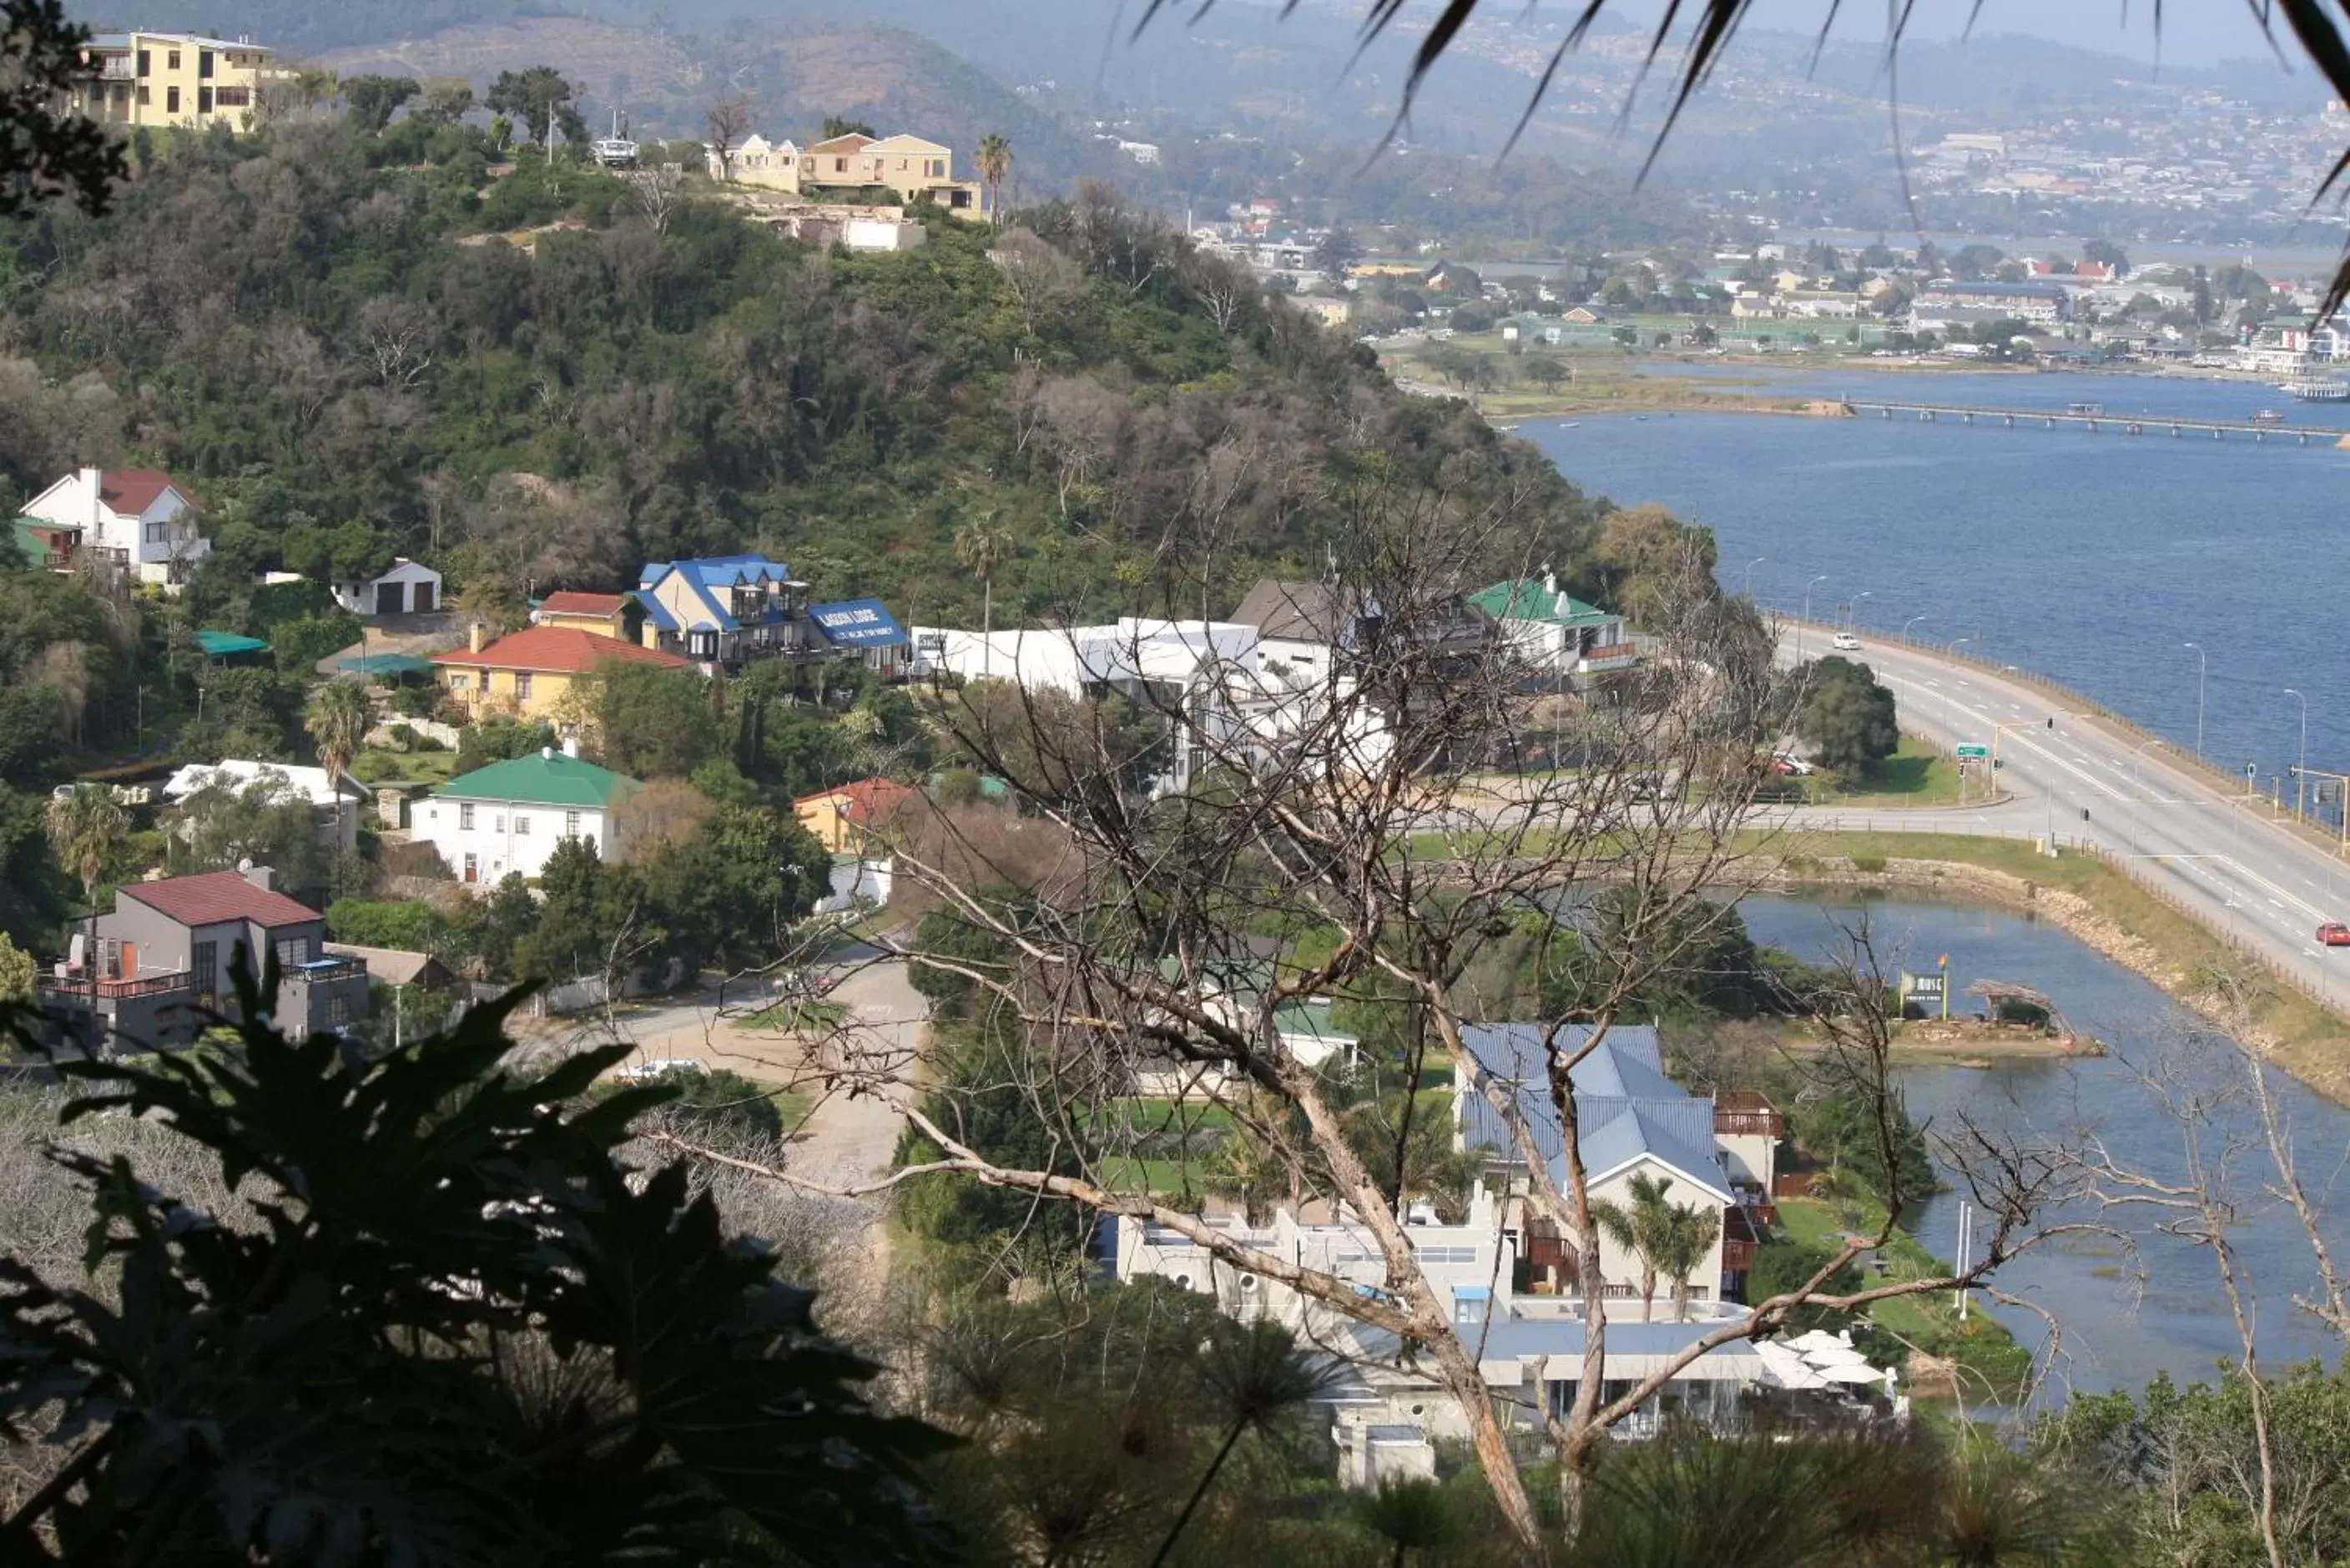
(728,611)
(1633,1121)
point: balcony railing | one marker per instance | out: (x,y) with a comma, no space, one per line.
(67,987)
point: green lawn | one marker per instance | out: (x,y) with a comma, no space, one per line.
(380,766)
(789,1016)
(1917,773)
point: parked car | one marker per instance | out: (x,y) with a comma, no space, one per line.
(1846,642)
(2334,934)
(1788,762)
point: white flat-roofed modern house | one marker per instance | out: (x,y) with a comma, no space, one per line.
(506,819)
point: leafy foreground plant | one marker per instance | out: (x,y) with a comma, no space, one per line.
(459,1332)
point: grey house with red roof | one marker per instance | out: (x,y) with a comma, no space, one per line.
(153,970)
(133,519)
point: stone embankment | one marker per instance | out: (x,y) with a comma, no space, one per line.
(2068,912)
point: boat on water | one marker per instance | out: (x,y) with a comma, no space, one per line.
(2316,389)
(2085,410)
(2268,417)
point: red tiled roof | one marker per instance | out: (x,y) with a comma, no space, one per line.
(851,141)
(568,602)
(863,800)
(132,491)
(562,650)
(217,896)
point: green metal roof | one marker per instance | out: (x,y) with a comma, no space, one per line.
(540,780)
(1310,1021)
(1524,598)
(386,664)
(221,644)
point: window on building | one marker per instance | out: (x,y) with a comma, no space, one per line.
(232,97)
(498,823)
(465,817)
(473,868)
(204,65)
(203,100)
(460,681)
(521,825)
(145,60)
(293,950)
(522,683)
(145,97)
(171,61)
(172,94)
(204,963)
(339,1009)
(570,824)
(840,165)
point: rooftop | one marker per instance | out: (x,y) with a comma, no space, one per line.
(540,779)
(865,800)
(132,491)
(215,897)
(562,650)
(1528,598)
(236,773)
(571,602)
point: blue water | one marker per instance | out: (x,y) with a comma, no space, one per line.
(2090,559)
(2117,1330)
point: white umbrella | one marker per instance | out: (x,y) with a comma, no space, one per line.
(1837,1355)
(1786,1368)
(1819,1339)
(1863,1373)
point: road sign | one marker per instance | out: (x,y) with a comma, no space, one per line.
(1974,749)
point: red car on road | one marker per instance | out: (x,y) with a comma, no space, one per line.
(2334,934)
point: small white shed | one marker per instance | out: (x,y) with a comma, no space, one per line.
(410,587)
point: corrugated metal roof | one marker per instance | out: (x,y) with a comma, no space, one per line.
(540,780)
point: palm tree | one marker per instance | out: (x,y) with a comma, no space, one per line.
(1667,1238)
(1257,1374)
(337,720)
(85,825)
(1410,1513)
(994,161)
(981,547)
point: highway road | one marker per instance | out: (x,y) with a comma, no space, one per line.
(2088,780)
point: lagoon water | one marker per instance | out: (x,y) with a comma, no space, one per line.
(2118,1329)
(2089,558)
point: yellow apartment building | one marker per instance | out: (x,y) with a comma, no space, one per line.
(181,79)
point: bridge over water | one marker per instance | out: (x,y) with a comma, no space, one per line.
(2082,418)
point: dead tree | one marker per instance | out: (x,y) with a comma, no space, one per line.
(1203,801)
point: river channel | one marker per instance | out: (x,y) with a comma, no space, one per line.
(2093,559)
(2123,1319)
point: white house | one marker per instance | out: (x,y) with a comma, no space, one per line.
(287,781)
(408,587)
(133,519)
(505,819)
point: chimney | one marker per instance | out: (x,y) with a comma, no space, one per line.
(473,638)
(260,877)
(96,480)
(546,754)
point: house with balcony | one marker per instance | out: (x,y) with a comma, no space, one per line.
(137,521)
(505,819)
(728,611)
(526,673)
(910,167)
(150,974)
(1556,635)
(173,80)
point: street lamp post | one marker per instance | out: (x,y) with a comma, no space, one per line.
(1800,625)
(2202,675)
(2299,786)
(1750,574)
(1852,619)
(1913,620)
